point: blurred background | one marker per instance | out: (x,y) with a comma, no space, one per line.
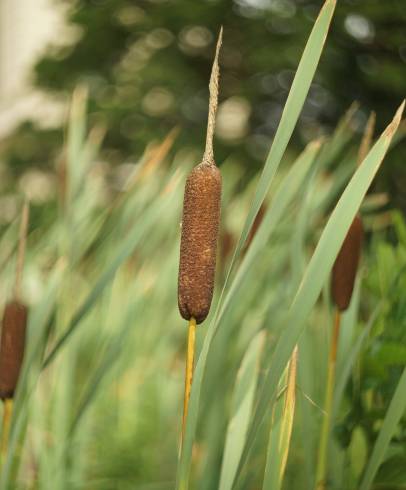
(147,65)
(103,111)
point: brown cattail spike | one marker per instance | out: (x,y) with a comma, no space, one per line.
(200,222)
(346,264)
(200,225)
(12,344)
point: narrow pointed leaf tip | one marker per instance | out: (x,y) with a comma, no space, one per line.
(213,103)
(393,126)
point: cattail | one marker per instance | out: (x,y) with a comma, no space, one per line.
(198,245)
(200,226)
(200,223)
(346,264)
(13,330)
(12,344)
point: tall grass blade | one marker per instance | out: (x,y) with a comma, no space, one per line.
(317,273)
(278,449)
(283,197)
(351,358)
(243,400)
(297,95)
(395,412)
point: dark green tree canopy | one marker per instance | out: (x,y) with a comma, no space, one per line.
(147,65)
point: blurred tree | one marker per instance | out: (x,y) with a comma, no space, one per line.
(147,65)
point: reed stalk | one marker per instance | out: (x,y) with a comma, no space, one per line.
(190,357)
(7,413)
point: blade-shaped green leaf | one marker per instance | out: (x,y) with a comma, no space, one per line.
(395,412)
(317,272)
(297,95)
(242,405)
(149,218)
(281,429)
(283,197)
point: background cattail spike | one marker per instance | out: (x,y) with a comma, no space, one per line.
(12,346)
(213,103)
(346,265)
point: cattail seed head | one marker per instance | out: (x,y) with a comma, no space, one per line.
(12,345)
(346,264)
(198,247)
(200,221)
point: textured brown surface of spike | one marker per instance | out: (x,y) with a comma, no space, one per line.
(346,265)
(12,344)
(200,228)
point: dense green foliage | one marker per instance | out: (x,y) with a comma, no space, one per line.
(106,410)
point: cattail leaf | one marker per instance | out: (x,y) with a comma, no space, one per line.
(281,432)
(150,216)
(105,366)
(351,358)
(392,418)
(296,98)
(242,405)
(283,197)
(317,272)
(288,413)
(273,454)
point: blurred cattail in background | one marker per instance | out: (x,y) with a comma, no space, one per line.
(346,265)
(12,346)
(13,335)
(200,229)
(343,277)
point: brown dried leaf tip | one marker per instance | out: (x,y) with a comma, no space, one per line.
(12,345)
(198,248)
(346,264)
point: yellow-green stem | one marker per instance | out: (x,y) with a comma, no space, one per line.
(190,356)
(7,412)
(321,473)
